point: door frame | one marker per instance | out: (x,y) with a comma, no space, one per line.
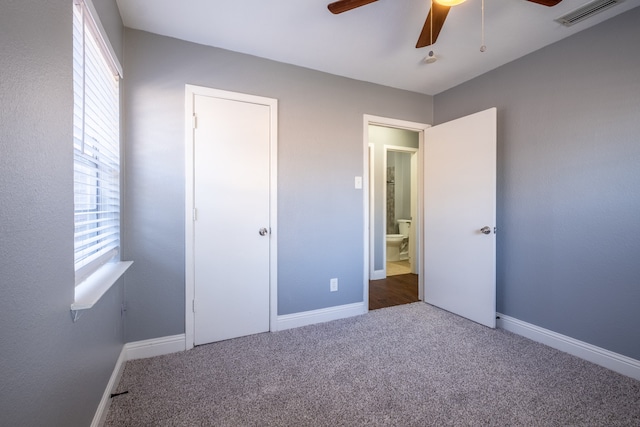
(368,230)
(191,91)
(415,204)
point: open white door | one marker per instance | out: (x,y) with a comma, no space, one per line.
(460,217)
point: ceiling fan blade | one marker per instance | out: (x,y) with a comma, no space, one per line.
(345,5)
(546,2)
(438,13)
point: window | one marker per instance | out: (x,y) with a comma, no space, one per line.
(96,144)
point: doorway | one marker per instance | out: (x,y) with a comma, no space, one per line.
(458,211)
(230,216)
(393,150)
(400,204)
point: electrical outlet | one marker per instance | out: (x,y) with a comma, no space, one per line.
(333,285)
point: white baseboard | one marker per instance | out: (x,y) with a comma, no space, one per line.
(175,343)
(600,356)
(103,406)
(155,347)
(131,351)
(305,318)
(378,275)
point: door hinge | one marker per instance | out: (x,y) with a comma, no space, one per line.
(195,121)
(195,214)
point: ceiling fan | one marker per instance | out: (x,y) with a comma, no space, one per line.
(437,14)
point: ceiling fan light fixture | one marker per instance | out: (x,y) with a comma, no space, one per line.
(449,2)
(431,58)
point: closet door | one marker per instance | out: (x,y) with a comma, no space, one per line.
(231,218)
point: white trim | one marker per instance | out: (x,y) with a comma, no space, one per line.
(305,318)
(102,33)
(155,347)
(394,123)
(90,290)
(273,213)
(366,204)
(415,230)
(367,120)
(131,351)
(384,219)
(600,356)
(378,274)
(189,267)
(190,92)
(373,274)
(103,407)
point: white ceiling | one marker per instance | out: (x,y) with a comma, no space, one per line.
(374,43)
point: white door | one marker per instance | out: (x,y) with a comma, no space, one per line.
(414,239)
(231,227)
(460,207)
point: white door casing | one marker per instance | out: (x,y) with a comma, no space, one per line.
(231,185)
(415,235)
(459,200)
(368,214)
(415,190)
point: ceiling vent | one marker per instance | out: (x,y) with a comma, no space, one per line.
(586,11)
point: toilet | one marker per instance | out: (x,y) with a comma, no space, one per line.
(398,244)
(394,241)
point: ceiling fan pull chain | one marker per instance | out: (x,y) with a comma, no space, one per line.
(483,48)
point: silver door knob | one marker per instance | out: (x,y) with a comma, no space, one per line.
(263,231)
(485,230)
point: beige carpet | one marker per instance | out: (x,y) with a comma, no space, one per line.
(411,365)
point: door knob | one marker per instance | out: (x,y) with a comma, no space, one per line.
(485,230)
(263,231)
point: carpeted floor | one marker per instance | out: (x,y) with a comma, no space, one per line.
(411,365)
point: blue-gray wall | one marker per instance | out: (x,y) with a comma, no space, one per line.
(568,214)
(52,371)
(568,182)
(320,151)
(401,162)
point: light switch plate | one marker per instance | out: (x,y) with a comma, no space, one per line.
(358,182)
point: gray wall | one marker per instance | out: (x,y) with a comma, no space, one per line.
(320,152)
(401,189)
(568,182)
(53,371)
(380,136)
(568,192)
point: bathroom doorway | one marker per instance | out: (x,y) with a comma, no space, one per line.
(400,204)
(392,252)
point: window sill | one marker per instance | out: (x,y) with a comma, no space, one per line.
(89,292)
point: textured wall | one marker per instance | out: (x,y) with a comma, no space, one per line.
(52,371)
(320,152)
(568,182)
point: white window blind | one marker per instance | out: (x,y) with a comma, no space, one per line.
(96,146)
